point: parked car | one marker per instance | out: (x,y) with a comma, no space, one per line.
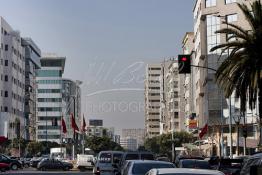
(253,165)
(194,163)
(181,157)
(34,161)
(13,163)
(54,164)
(85,161)
(134,156)
(25,162)
(183,171)
(230,166)
(4,167)
(106,162)
(140,167)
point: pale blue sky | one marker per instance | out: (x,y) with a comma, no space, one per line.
(104,42)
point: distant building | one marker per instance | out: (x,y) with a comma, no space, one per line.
(117,139)
(129,143)
(138,134)
(95,122)
(49,98)
(71,99)
(32,64)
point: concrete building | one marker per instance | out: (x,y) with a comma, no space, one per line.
(71,100)
(188,86)
(138,134)
(32,64)
(12,86)
(152,99)
(49,98)
(129,143)
(210,106)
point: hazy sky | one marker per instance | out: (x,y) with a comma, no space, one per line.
(107,44)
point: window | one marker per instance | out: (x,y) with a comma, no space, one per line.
(211,3)
(6,62)
(6,93)
(6,109)
(231,18)
(6,47)
(49,90)
(213,24)
(49,73)
(230,1)
(6,78)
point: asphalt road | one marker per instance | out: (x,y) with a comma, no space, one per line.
(31,171)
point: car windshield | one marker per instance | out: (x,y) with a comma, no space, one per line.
(147,157)
(142,168)
(132,156)
(105,158)
(188,164)
(202,165)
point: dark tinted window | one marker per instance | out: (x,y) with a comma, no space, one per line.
(132,157)
(105,158)
(142,168)
(187,164)
(117,157)
(147,157)
(202,165)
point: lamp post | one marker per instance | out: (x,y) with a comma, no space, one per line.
(237,119)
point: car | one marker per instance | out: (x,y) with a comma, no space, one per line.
(140,167)
(182,171)
(194,163)
(4,167)
(13,163)
(134,156)
(230,166)
(253,165)
(34,161)
(107,162)
(181,157)
(53,164)
(85,161)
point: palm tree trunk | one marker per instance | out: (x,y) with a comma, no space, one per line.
(260,112)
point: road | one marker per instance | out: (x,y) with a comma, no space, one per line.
(31,171)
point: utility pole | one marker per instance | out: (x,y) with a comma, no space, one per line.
(230,129)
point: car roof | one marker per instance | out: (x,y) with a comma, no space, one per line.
(185,170)
(150,161)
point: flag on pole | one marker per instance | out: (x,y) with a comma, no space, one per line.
(203,131)
(84,124)
(73,123)
(63,125)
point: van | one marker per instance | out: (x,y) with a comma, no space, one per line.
(105,161)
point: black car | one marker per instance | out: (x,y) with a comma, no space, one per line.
(46,164)
(231,166)
(194,163)
(14,164)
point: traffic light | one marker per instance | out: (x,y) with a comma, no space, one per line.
(184,64)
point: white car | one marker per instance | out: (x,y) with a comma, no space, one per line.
(85,161)
(182,171)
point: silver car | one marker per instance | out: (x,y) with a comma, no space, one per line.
(140,167)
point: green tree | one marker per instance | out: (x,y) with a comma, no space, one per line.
(241,69)
(34,148)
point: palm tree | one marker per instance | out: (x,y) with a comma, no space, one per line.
(241,70)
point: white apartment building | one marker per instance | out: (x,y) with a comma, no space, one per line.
(49,98)
(152,99)
(12,85)
(129,143)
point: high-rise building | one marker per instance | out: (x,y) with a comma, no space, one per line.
(49,98)
(71,98)
(138,134)
(152,99)
(12,86)
(32,64)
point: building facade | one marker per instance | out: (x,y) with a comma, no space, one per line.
(12,86)
(32,64)
(129,143)
(138,134)
(71,104)
(49,98)
(152,99)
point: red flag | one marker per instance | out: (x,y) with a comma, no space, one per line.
(84,124)
(73,123)
(64,126)
(203,131)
